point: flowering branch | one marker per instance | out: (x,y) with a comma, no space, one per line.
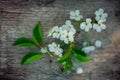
(67,34)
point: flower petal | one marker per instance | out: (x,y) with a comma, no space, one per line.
(98,43)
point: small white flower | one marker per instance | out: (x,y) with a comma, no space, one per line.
(55,32)
(85,43)
(68,26)
(67,36)
(43,50)
(99,27)
(100,15)
(88,49)
(98,43)
(68,22)
(92,48)
(55,48)
(86,26)
(64,63)
(50,32)
(79,70)
(75,15)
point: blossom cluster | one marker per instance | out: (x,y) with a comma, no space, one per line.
(100,18)
(55,48)
(98,26)
(87,48)
(66,33)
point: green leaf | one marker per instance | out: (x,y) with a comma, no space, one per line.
(30,57)
(68,65)
(79,51)
(23,42)
(65,56)
(81,58)
(65,46)
(37,34)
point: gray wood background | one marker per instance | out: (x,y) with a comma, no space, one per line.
(17,19)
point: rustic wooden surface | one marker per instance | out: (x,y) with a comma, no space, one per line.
(17,19)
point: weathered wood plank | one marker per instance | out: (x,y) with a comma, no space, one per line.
(17,19)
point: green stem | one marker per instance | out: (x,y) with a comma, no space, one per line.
(49,54)
(71,45)
(77,24)
(46,50)
(87,36)
(37,44)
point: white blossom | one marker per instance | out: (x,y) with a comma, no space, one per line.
(92,48)
(50,32)
(55,32)
(88,49)
(98,43)
(85,43)
(55,48)
(99,27)
(79,70)
(86,26)
(100,15)
(67,32)
(67,36)
(68,26)
(43,50)
(75,15)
